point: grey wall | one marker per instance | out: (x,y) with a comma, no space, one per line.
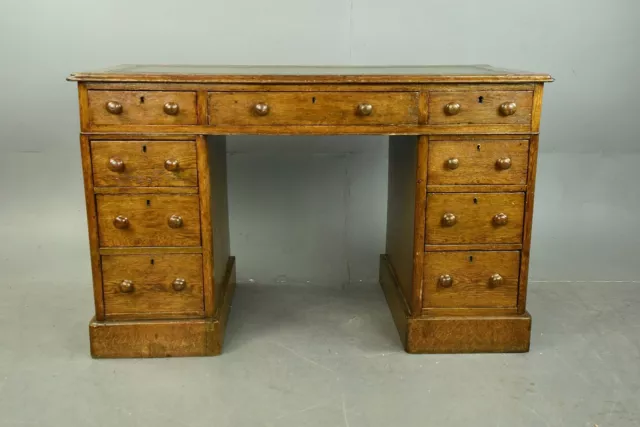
(313,209)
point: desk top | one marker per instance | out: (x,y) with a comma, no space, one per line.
(309,74)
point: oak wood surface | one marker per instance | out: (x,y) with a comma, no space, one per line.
(402,188)
(477,162)
(321,108)
(474,214)
(152,277)
(471,272)
(476,188)
(145,190)
(398,305)
(151,250)
(144,163)
(309,74)
(141,107)
(148,217)
(480,107)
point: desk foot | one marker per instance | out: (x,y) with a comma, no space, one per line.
(165,338)
(452,334)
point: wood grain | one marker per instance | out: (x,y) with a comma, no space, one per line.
(471,272)
(475,247)
(205,224)
(476,188)
(152,277)
(321,108)
(92,222)
(148,216)
(419,224)
(402,191)
(144,163)
(141,107)
(152,250)
(473,111)
(477,162)
(396,301)
(145,190)
(474,213)
(469,334)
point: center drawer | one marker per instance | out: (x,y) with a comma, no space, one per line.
(153,285)
(148,220)
(466,218)
(313,108)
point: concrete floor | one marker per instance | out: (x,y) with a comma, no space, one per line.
(308,356)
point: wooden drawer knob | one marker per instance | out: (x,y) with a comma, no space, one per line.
(126,286)
(452,108)
(116,165)
(453,163)
(121,222)
(449,219)
(503,163)
(175,221)
(445,281)
(171,165)
(495,280)
(179,284)
(261,109)
(365,109)
(508,108)
(114,107)
(500,219)
(171,108)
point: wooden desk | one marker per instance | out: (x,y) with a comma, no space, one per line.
(462,166)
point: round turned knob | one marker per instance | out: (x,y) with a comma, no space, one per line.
(179,284)
(171,165)
(121,222)
(503,163)
(171,108)
(114,107)
(508,108)
(453,163)
(445,281)
(365,109)
(452,108)
(126,286)
(495,280)
(449,219)
(500,219)
(261,109)
(115,165)
(175,221)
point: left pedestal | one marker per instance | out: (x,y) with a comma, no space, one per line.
(163,276)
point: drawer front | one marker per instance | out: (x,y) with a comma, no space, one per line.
(144,163)
(161,285)
(110,107)
(478,279)
(458,218)
(478,162)
(148,220)
(480,107)
(313,108)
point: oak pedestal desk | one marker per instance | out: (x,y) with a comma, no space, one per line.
(462,164)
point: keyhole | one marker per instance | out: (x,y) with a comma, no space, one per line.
(481,99)
(144,148)
(142,100)
(152,261)
(313,100)
(478,147)
(475,200)
(470,258)
(148,202)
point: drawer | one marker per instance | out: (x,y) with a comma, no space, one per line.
(479,279)
(112,107)
(148,220)
(480,107)
(478,162)
(313,108)
(144,163)
(160,285)
(458,218)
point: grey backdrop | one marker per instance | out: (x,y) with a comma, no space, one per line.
(312,210)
